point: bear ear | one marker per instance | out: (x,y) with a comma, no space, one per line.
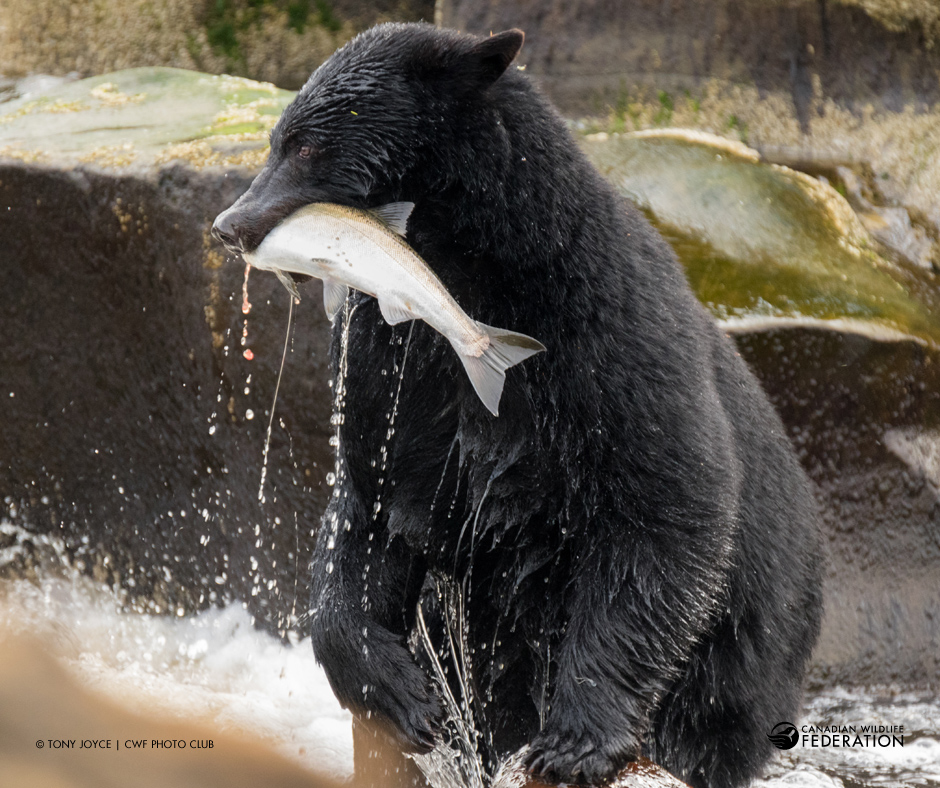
(491,57)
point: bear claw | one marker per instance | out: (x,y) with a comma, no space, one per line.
(558,758)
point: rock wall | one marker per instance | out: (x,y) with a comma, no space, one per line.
(585,51)
(134,426)
(864,416)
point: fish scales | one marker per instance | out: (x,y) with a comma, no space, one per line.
(366,250)
(367,231)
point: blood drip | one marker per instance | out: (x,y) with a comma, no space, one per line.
(246,305)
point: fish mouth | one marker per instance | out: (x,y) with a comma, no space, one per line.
(235,248)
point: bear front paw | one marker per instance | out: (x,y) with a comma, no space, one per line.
(384,684)
(374,675)
(585,758)
(409,705)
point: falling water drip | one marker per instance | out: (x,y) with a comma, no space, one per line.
(277,388)
(450,452)
(391,415)
(246,305)
(337,419)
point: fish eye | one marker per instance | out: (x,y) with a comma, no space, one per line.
(305,151)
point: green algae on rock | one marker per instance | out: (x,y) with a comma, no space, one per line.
(145,116)
(762,243)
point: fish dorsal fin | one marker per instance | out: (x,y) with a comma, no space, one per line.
(289,283)
(334,296)
(394,311)
(395,215)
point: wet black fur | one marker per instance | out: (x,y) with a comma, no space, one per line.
(633,526)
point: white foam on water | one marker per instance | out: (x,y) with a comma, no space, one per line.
(212,665)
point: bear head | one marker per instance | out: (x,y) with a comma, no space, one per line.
(364,127)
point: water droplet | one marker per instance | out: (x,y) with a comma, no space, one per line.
(248,354)
(249,414)
(331,478)
(212,430)
(329,567)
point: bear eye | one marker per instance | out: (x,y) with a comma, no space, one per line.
(305,151)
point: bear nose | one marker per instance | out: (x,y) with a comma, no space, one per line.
(225,229)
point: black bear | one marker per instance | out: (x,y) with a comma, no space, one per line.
(632,542)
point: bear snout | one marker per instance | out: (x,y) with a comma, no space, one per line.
(225,229)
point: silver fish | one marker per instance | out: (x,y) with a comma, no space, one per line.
(366,250)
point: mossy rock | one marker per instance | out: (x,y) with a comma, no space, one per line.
(763,244)
(144,117)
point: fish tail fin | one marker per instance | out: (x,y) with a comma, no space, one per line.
(487,372)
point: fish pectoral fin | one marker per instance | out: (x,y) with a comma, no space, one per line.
(395,215)
(487,372)
(334,296)
(394,311)
(289,283)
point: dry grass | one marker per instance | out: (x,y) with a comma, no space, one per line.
(99,36)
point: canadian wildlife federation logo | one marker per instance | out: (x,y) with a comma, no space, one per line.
(784,735)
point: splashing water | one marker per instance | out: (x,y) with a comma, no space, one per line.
(456,761)
(213,665)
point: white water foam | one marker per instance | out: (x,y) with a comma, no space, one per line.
(211,665)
